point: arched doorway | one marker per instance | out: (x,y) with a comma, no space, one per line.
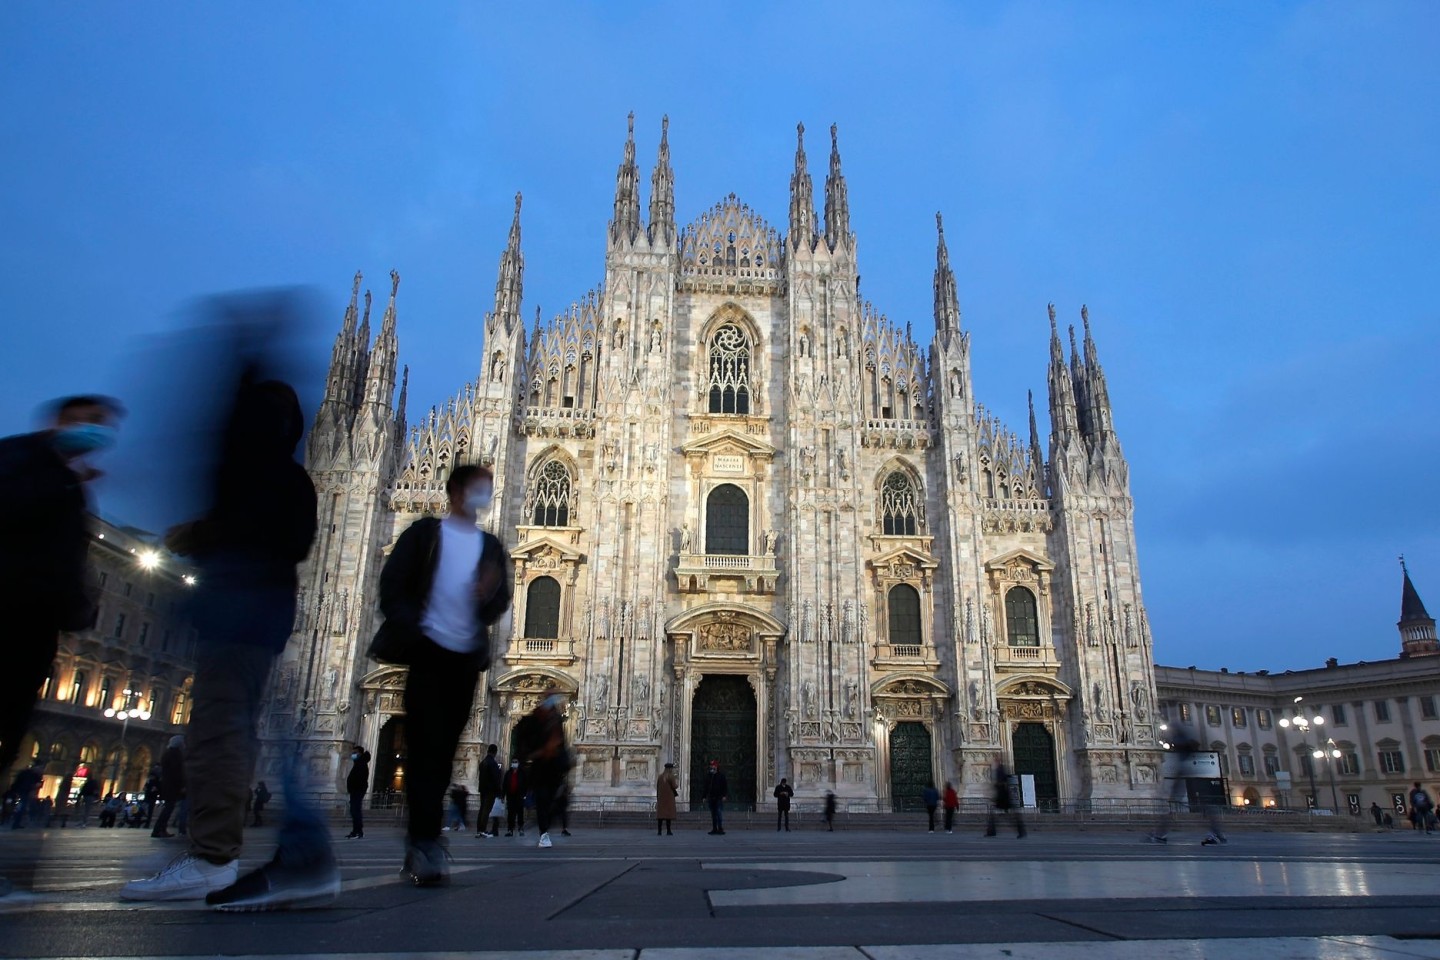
(910,769)
(1034,750)
(722,727)
(390,753)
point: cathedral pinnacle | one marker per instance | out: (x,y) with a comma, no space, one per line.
(837,198)
(947,300)
(510,280)
(1417,627)
(802,198)
(662,192)
(625,225)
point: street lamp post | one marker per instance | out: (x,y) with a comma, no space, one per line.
(131,710)
(1330,754)
(1303,722)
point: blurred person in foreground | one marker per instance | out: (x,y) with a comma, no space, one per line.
(259,527)
(443,585)
(44,539)
(1003,801)
(1181,754)
(540,739)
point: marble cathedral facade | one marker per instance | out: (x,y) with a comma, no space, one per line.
(751,519)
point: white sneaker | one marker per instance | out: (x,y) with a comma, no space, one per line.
(545,840)
(187,877)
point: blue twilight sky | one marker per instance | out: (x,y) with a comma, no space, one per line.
(1246,194)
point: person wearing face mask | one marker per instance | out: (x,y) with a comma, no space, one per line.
(44,536)
(443,585)
(356,784)
(540,739)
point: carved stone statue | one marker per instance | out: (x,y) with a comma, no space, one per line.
(685,542)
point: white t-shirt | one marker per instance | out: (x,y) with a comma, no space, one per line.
(450,613)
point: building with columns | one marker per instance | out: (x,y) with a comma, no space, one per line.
(751,520)
(1378,727)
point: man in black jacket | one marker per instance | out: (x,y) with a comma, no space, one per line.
(443,586)
(356,785)
(717,791)
(44,538)
(489,790)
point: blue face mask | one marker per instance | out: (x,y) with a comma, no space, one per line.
(79,438)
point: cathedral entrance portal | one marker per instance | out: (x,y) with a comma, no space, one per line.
(722,727)
(1034,751)
(390,761)
(910,769)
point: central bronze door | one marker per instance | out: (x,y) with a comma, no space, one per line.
(722,727)
(1034,751)
(910,770)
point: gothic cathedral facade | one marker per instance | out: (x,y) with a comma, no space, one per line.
(751,520)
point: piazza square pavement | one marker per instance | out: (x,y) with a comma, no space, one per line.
(621,893)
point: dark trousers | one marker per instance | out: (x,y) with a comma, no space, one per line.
(515,814)
(164,820)
(29,653)
(221,746)
(717,815)
(949,819)
(782,816)
(438,694)
(483,821)
(663,826)
(357,814)
(930,812)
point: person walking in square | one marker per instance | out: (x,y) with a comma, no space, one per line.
(1422,809)
(459,808)
(445,583)
(951,801)
(259,527)
(667,788)
(44,544)
(783,793)
(489,787)
(172,784)
(717,791)
(258,799)
(931,798)
(830,804)
(89,793)
(1002,801)
(541,747)
(513,789)
(357,783)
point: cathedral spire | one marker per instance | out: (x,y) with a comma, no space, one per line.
(802,198)
(339,382)
(510,282)
(1035,453)
(1097,394)
(404,397)
(380,383)
(360,366)
(947,301)
(1417,627)
(837,199)
(1064,421)
(625,226)
(662,192)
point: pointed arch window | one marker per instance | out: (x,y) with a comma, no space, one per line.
(542,609)
(904,616)
(550,498)
(730,370)
(899,506)
(727,521)
(1022,622)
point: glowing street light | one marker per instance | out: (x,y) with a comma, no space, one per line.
(1303,723)
(125,715)
(148,559)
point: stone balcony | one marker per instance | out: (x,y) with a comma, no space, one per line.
(537,650)
(901,656)
(1026,659)
(694,571)
(895,434)
(556,422)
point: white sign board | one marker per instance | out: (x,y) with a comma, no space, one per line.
(1200,766)
(729,463)
(1282,779)
(1027,790)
